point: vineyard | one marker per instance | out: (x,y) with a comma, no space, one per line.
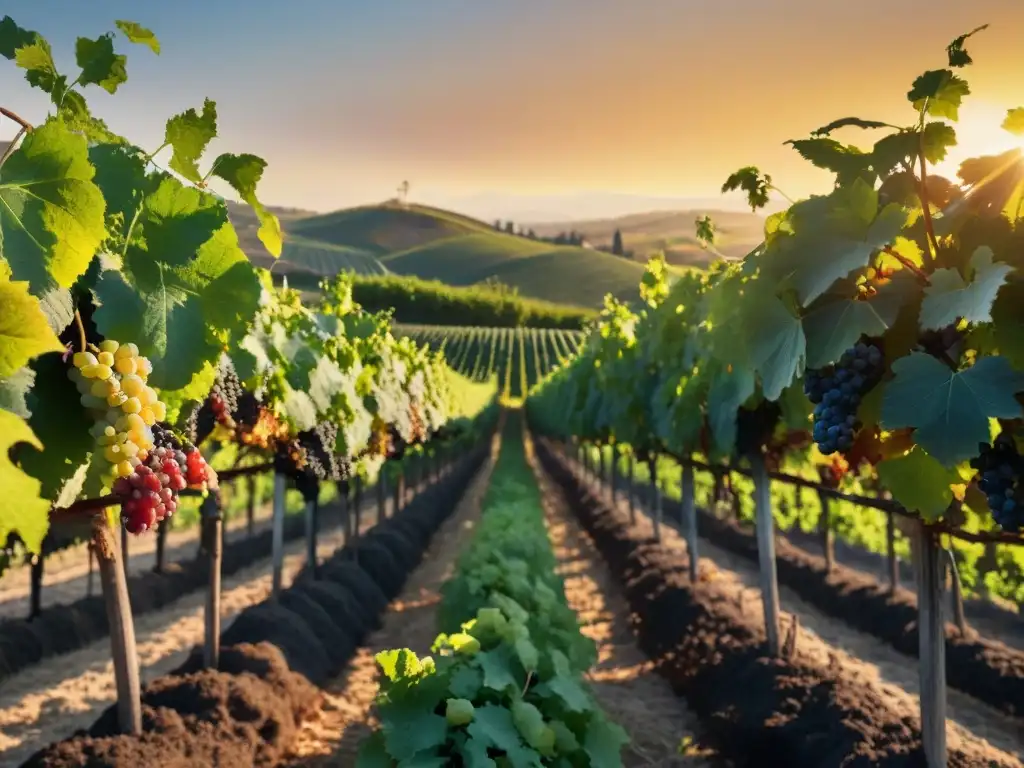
(768,516)
(516,357)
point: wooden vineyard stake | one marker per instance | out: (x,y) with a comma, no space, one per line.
(213,546)
(124,550)
(613,473)
(35,595)
(382,495)
(959,618)
(890,551)
(250,506)
(766,551)
(88,579)
(828,546)
(277,532)
(656,519)
(690,519)
(931,571)
(399,501)
(122,628)
(311,536)
(161,546)
(631,489)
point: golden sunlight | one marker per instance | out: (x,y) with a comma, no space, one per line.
(979,132)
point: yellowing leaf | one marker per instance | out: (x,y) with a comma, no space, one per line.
(24,332)
(24,512)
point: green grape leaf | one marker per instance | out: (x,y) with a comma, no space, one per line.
(373,752)
(300,409)
(955,51)
(188,135)
(497,668)
(30,51)
(939,93)
(51,212)
(121,175)
(14,391)
(325,381)
(243,173)
(25,513)
(1014,121)
(136,33)
(903,147)
(474,754)
(531,726)
(527,653)
(604,742)
(845,161)
(62,424)
(834,326)
(567,688)
(1007,328)
(24,332)
(728,392)
(100,65)
(408,731)
(919,482)
(950,409)
(848,122)
(776,338)
(949,298)
(168,326)
(465,682)
(751,181)
(193,392)
(494,726)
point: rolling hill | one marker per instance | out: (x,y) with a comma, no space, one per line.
(435,244)
(673,232)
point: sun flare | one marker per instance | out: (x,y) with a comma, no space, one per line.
(979,132)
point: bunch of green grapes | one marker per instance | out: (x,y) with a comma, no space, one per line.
(111,379)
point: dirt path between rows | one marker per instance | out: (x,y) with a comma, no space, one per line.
(824,640)
(663,730)
(50,700)
(346,716)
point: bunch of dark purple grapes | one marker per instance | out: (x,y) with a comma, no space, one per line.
(1000,468)
(837,390)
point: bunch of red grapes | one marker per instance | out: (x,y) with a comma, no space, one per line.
(150,494)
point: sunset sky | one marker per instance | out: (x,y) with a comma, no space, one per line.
(480,101)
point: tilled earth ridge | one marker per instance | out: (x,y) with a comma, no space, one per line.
(826,642)
(664,732)
(346,715)
(49,701)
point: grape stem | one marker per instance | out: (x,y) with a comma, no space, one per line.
(81,331)
(933,244)
(907,263)
(25,124)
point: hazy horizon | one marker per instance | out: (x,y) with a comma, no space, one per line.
(532,111)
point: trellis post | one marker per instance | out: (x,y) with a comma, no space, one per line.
(825,529)
(312,509)
(652,464)
(931,571)
(689,510)
(213,544)
(277,533)
(766,551)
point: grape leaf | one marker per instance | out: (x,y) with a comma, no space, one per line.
(494,726)
(121,175)
(848,122)
(51,212)
(465,682)
(835,326)
(776,338)
(24,332)
(939,93)
(919,482)
(1007,328)
(1014,121)
(243,173)
(728,392)
(497,668)
(474,754)
(188,135)
(408,730)
(25,513)
(604,742)
(955,51)
(847,162)
(14,391)
(950,409)
(373,753)
(300,409)
(62,424)
(136,33)
(100,65)
(901,148)
(949,297)
(30,51)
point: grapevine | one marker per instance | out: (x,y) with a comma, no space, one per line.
(146,337)
(879,318)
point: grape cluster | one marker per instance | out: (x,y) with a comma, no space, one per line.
(1000,466)
(111,379)
(836,392)
(319,446)
(150,494)
(220,405)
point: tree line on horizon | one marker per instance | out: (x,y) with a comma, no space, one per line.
(570,237)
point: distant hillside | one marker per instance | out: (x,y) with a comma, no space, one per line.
(670,231)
